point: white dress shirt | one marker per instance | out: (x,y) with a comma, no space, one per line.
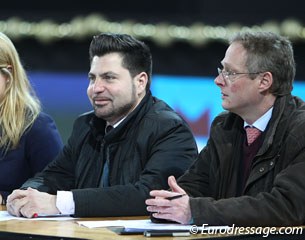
(262,122)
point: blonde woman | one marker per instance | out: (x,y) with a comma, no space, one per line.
(29,139)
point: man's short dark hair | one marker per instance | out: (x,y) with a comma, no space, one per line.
(136,55)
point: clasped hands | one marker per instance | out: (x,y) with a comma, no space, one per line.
(28,202)
(177,210)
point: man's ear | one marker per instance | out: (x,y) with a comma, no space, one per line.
(141,82)
(265,81)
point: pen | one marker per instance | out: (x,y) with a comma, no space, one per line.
(35,215)
(167,233)
(175,197)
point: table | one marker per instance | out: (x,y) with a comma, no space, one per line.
(71,229)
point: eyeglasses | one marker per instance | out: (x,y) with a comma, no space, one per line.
(230,76)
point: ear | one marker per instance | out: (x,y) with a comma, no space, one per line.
(266,81)
(9,67)
(141,81)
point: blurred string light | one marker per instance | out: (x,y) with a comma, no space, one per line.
(163,34)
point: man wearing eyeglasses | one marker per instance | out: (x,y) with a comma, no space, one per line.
(251,173)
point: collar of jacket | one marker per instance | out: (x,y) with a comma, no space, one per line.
(283,110)
(98,125)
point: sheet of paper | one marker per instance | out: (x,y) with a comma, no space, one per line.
(4,216)
(142,224)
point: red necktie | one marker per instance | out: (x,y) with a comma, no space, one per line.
(252,134)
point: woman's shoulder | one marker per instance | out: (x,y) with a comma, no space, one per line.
(42,120)
(43,124)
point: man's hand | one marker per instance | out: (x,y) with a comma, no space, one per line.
(177,209)
(28,202)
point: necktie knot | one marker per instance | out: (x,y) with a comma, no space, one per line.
(108,129)
(252,134)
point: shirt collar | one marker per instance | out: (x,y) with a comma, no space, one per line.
(116,124)
(262,122)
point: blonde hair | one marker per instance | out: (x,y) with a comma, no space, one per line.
(19,105)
